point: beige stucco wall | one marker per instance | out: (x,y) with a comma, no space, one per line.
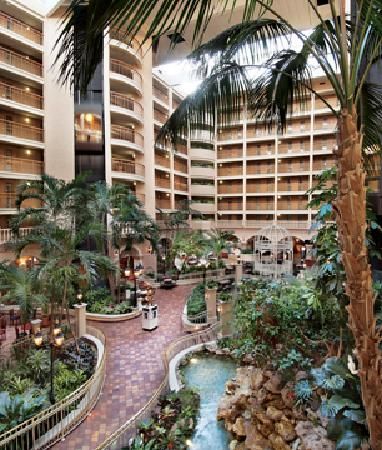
(59,112)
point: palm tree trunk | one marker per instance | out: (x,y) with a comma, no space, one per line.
(351,221)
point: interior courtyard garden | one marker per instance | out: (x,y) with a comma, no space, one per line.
(190,225)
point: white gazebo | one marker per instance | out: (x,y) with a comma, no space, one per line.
(273,252)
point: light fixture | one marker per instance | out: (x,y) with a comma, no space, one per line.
(220,181)
(132,127)
(279,196)
(79,296)
(27,89)
(137,272)
(88,117)
(38,339)
(59,339)
(167,195)
(56,329)
(27,120)
(193,360)
(28,152)
(127,272)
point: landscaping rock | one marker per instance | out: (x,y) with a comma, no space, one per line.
(313,437)
(274,413)
(286,430)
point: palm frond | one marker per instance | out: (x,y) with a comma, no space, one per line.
(218,99)
(370,114)
(286,82)
(246,43)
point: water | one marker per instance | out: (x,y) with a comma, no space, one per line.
(208,375)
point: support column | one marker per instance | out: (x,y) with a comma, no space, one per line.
(80,320)
(211,305)
(238,274)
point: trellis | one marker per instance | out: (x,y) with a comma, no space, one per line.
(273,252)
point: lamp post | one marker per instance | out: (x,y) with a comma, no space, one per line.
(55,341)
(204,264)
(133,275)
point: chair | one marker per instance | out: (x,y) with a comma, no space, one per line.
(14,317)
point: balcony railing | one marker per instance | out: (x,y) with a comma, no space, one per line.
(132,43)
(293,168)
(126,134)
(121,68)
(124,166)
(20,130)
(159,116)
(123,101)
(163,182)
(160,95)
(223,154)
(8,200)
(225,172)
(292,205)
(287,187)
(228,189)
(20,62)
(268,206)
(180,186)
(259,188)
(162,161)
(260,151)
(19,165)
(21,28)
(9,92)
(7,235)
(230,206)
(180,167)
(163,203)
(230,135)
(260,170)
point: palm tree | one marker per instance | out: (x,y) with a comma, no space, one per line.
(344,48)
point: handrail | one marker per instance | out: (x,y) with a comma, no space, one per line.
(20,61)
(125,166)
(126,102)
(125,432)
(122,37)
(126,134)
(121,68)
(7,235)
(21,165)
(52,424)
(10,92)
(20,130)
(15,25)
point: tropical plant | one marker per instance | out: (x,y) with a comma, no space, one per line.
(344,48)
(67,380)
(196,302)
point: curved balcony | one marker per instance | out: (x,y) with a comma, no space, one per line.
(202,153)
(18,133)
(203,207)
(20,65)
(131,47)
(126,106)
(124,169)
(125,74)
(202,189)
(8,202)
(126,137)
(200,171)
(19,99)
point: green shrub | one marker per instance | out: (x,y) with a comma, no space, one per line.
(67,380)
(196,303)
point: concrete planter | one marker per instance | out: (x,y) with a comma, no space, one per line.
(211,295)
(111,317)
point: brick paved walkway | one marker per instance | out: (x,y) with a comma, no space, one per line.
(133,370)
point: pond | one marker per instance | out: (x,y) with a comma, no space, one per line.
(208,374)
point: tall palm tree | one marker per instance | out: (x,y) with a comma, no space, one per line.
(343,47)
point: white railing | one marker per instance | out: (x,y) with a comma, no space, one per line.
(122,436)
(6,234)
(52,424)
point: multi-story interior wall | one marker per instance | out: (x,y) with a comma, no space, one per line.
(21,102)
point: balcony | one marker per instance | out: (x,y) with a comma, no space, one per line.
(163,97)
(19,133)
(204,207)
(233,135)
(229,189)
(283,205)
(124,73)
(293,168)
(260,206)
(230,171)
(160,117)
(202,171)
(21,166)
(131,46)
(230,154)
(323,165)
(16,62)
(292,187)
(163,203)
(7,235)
(180,166)
(201,135)
(262,152)
(202,189)
(260,169)
(230,206)
(126,137)
(122,104)
(163,183)
(124,168)
(8,202)
(162,161)
(179,186)
(20,28)
(19,98)
(260,188)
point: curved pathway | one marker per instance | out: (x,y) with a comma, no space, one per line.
(134,370)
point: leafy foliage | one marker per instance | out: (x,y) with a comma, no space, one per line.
(196,303)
